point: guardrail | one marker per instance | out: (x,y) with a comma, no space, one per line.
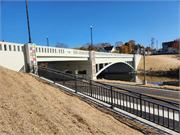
(159,111)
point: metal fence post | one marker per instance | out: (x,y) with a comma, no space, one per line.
(39,72)
(91,87)
(54,77)
(75,84)
(111,97)
(63,79)
(140,105)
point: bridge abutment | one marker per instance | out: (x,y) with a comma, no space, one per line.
(136,60)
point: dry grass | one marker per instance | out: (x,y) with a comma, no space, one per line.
(159,63)
(29,106)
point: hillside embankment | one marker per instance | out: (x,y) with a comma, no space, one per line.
(163,65)
(29,105)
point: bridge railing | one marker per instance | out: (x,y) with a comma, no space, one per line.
(11,47)
(157,110)
(7,46)
(112,54)
(56,51)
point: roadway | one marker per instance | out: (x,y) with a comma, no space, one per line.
(167,94)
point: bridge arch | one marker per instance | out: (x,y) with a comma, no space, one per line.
(113,63)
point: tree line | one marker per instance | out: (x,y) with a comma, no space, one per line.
(127,47)
(121,48)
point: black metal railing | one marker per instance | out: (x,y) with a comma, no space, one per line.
(157,110)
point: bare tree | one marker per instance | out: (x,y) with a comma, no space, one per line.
(103,44)
(61,45)
(87,45)
(118,43)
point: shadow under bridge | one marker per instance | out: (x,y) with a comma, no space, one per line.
(115,67)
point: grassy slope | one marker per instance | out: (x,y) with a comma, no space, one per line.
(28,106)
(159,63)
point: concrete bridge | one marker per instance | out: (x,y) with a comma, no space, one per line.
(16,56)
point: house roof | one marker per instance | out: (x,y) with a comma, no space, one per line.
(169,44)
(108,48)
(102,49)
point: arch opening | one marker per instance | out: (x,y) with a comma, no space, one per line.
(116,68)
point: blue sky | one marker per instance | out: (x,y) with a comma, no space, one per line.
(69,21)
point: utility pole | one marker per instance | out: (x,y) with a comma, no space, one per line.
(28,22)
(144,82)
(152,43)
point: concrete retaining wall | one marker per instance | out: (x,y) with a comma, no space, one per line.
(11,55)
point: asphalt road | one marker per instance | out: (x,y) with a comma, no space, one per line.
(155,92)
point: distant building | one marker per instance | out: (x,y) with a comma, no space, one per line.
(138,49)
(167,47)
(108,49)
(101,49)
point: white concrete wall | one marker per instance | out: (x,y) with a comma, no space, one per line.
(102,57)
(11,55)
(113,49)
(137,58)
(172,50)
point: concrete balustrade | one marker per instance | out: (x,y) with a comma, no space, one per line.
(14,47)
(55,50)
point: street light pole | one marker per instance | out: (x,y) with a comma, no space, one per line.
(91,39)
(47,42)
(145,82)
(28,22)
